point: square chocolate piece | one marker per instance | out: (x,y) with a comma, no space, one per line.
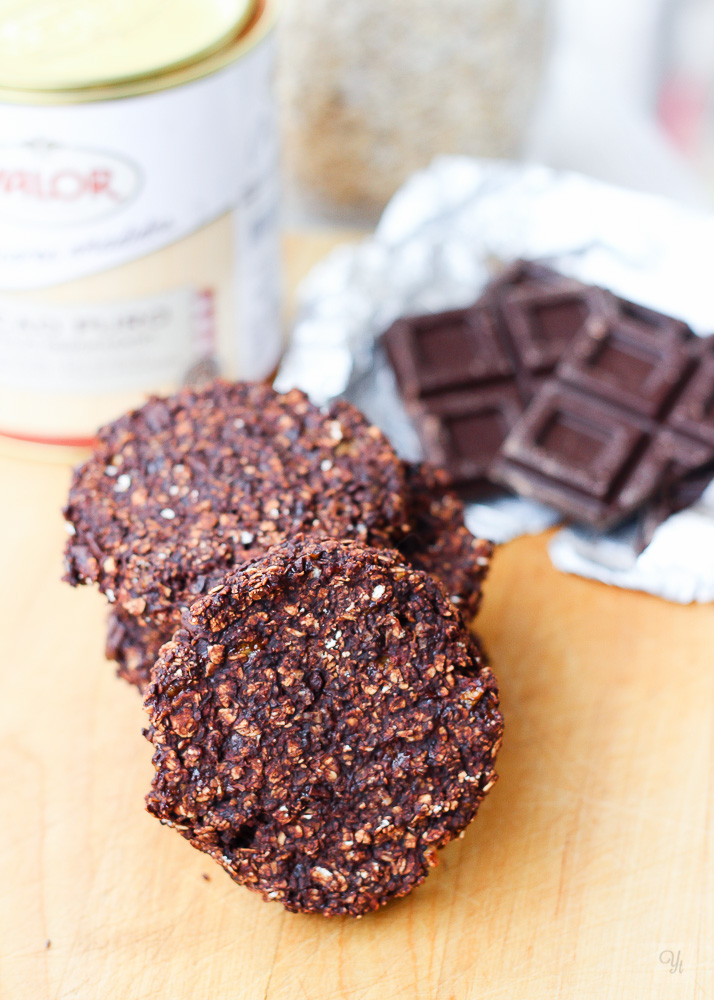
(618,360)
(541,322)
(463,432)
(430,354)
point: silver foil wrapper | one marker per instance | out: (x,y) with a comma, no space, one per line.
(434,249)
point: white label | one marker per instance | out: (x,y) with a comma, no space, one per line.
(105,347)
(86,187)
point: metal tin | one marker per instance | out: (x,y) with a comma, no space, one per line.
(139,243)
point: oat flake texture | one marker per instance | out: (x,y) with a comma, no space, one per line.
(322,725)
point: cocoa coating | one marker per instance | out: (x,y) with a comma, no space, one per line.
(182,489)
(322,725)
(440,543)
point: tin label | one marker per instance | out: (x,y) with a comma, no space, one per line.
(106,347)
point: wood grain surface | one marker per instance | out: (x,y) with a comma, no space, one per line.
(588,872)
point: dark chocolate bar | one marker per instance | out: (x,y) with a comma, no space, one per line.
(467,375)
(629,413)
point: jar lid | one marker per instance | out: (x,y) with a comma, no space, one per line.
(48,45)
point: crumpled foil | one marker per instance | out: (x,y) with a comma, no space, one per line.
(434,248)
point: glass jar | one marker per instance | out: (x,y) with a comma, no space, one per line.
(373,90)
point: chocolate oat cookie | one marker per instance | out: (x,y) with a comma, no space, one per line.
(440,543)
(322,726)
(436,540)
(182,489)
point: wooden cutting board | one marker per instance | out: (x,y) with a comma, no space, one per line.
(588,872)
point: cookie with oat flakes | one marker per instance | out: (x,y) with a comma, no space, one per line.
(322,726)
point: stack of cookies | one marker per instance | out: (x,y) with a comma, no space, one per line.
(294,602)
